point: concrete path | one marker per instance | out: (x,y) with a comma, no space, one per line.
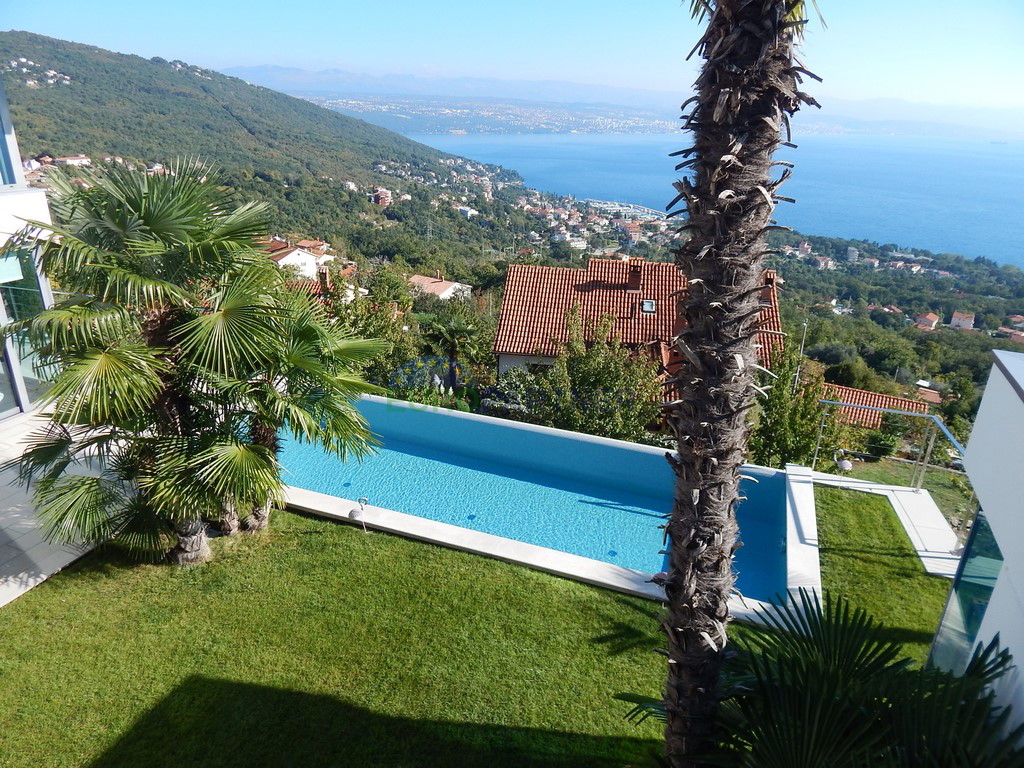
(931,536)
(26,559)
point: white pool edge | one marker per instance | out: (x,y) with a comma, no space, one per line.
(552,561)
(802,564)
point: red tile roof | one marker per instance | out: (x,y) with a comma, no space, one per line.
(536,300)
(862,417)
(314,287)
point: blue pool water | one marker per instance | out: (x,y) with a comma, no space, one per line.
(598,499)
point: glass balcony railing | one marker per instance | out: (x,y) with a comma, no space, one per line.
(6,161)
(979,569)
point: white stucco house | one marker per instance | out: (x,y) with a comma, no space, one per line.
(987,597)
(438,286)
(285,254)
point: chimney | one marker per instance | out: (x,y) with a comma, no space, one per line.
(325,281)
(437,275)
(635,279)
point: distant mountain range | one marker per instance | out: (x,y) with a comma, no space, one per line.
(836,115)
(294,80)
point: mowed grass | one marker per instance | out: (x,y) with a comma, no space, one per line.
(867,558)
(320,645)
(950,490)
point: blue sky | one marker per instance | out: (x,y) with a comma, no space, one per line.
(934,51)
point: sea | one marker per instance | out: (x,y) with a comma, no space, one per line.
(941,194)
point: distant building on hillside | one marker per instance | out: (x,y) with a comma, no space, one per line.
(381,196)
(927,321)
(439,287)
(962,321)
(852,254)
(929,395)
(323,286)
(284,254)
(74,160)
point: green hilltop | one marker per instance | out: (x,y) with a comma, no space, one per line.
(155,110)
(67,98)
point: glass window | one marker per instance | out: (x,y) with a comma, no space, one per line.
(19,289)
(6,167)
(965,609)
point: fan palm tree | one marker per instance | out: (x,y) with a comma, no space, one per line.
(825,685)
(307,388)
(745,93)
(172,306)
(453,337)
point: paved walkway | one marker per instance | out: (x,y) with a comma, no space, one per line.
(25,558)
(931,536)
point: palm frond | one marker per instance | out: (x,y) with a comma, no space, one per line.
(109,385)
(80,508)
(238,332)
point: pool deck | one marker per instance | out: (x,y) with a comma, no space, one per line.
(26,558)
(930,534)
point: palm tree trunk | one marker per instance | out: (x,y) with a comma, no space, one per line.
(193,545)
(746,85)
(228,523)
(259,518)
(265,434)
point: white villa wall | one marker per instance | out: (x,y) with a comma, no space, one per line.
(993,462)
(1005,617)
(19,205)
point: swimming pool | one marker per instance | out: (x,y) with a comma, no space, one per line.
(592,497)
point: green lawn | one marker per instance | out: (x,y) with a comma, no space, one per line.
(951,490)
(318,644)
(867,557)
(321,645)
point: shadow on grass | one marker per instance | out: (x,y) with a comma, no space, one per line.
(624,636)
(210,722)
(873,551)
(906,636)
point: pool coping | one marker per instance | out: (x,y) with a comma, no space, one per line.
(552,561)
(801,558)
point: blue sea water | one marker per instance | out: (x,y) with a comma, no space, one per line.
(945,195)
(600,500)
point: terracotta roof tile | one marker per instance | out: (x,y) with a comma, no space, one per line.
(536,299)
(864,418)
